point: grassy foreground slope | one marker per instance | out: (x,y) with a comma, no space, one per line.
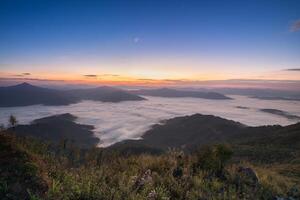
(31,169)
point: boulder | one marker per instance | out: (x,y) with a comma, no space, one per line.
(248,176)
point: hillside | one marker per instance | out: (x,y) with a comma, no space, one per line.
(30,169)
(223,159)
(22,174)
(25,94)
(166,92)
(257,144)
(58,128)
(187,132)
(273,144)
(197,129)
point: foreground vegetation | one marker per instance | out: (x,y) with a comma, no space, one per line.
(31,169)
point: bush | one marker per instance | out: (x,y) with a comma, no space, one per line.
(213,159)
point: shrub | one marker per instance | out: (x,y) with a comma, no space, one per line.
(213,159)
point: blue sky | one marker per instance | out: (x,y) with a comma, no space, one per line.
(196,40)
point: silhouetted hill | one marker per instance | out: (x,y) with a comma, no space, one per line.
(25,94)
(260,93)
(189,132)
(166,92)
(280,113)
(105,94)
(57,128)
(295,98)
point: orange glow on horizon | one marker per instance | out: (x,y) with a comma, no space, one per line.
(140,80)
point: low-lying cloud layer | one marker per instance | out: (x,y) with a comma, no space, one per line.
(115,122)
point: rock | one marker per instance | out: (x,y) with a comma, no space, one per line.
(248,176)
(146,178)
(152,195)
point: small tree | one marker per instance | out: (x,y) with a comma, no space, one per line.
(2,127)
(12,121)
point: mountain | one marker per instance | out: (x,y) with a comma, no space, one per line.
(264,94)
(189,132)
(58,128)
(166,92)
(104,94)
(25,94)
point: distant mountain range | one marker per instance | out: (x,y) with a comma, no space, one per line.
(166,92)
(104,94)
(280,113)
(25,94)
(260,93)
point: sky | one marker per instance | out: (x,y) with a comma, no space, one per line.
(149,42)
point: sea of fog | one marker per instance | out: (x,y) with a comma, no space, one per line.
(115,122)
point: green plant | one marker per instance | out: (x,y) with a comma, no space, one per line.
(213,158)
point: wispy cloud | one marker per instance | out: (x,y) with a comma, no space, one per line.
(30,79)
(295,26)
(109,75)
(146,79)
(91,75)
(100,75)
(23,74)
(26,74)
(292,69)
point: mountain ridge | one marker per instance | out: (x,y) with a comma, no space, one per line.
(188,132)
(26,94)
(175,93)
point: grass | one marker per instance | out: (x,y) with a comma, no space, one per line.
(75,174)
